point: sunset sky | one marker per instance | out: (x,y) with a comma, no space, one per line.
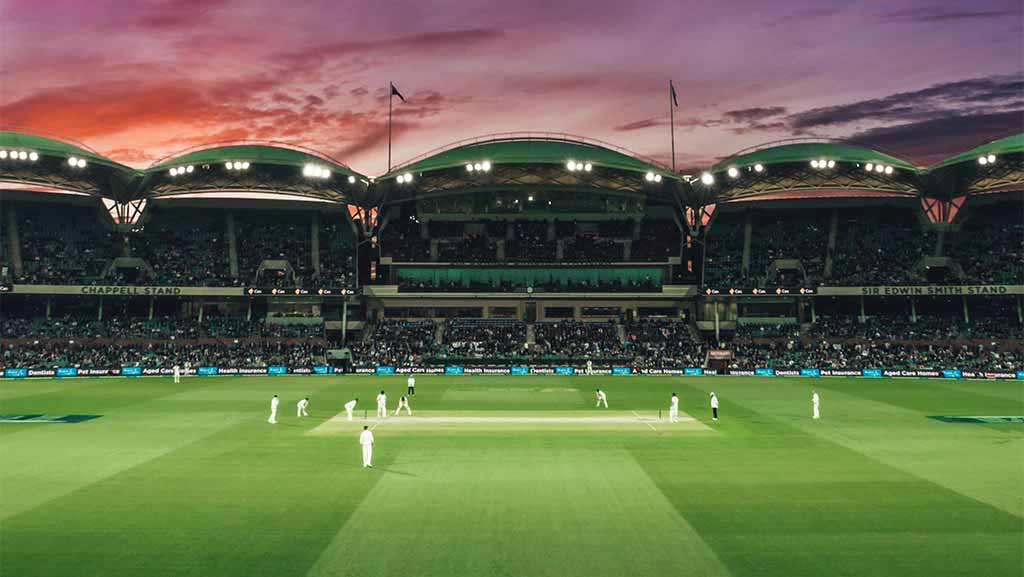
(137,80)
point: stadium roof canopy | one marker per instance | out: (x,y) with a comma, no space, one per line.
(810,168)
(787,152)
(1009,145)
(527,162)
(253,167)
(529,148)
(56,165)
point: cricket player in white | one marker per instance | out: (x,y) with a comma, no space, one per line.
(815,400)
(382,405)
(350,406)
(273,410)
(177,374)
(366,440)
(301,408)
(673,410)
(601,398)
(714,406)
(411,386)
(403,403)
(590,366)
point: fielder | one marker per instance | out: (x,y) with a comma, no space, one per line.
(301,408)
(590,367)
(714,406)
(350,406)
(273,410)
(403,402)
(366,440)
(601,398)
(177,374)
(815,400)
(411,386)
(382,405)
(673,410)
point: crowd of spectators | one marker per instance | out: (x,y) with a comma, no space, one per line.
(402,240)
(723,257)
(163,354)
(659,344)
(470,248)
(990,245)
(792,234)
(68,327)
(483,338)
(64,245)
(578,340)
(395,342)
(823,354)
(530,242)
(265,236)
(588,248)
(183,249)
(647,284)
(658,240)
(337,255)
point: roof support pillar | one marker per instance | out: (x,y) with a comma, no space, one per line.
(13,238)
(314,242)
(833,229)
(232,245)
(748,231)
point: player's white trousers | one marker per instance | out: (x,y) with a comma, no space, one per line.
(406,407)
(382,410)
(367,455)
(817,415)
(349,412)
(273,416)
(600,401)
(673,415)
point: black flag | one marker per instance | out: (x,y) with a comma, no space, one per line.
(395,92)
(671,87)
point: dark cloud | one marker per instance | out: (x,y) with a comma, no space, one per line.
(932,140)
(993,93)
(754,114)
(803,16)
(933,14)
(664,121)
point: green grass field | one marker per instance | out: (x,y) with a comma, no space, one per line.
(512,476)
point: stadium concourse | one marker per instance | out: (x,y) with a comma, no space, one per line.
(521,252)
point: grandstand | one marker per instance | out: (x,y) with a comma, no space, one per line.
(516,250)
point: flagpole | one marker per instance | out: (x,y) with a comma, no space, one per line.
(672,123)
(389,127)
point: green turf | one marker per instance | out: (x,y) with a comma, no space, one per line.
(189,479)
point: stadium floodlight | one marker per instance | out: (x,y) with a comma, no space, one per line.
(245,165)
(869,166)
(469,168)
(478,167)
(81,163)
(486,165)
(657,178)
(307,170)
(3,154)
(982,160)
(649,177)
(33,156)
(733,172)
(888,170)
(351,180)
(991,158)
(758,167)
(814,163)
(325,174)
(173,171)
(831,164)
(707,178)
(588,167)
(408,177)
(228,165)
(189,169)
(530,198)
(22,155)
(571,165)
(879,168)
(72,160)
